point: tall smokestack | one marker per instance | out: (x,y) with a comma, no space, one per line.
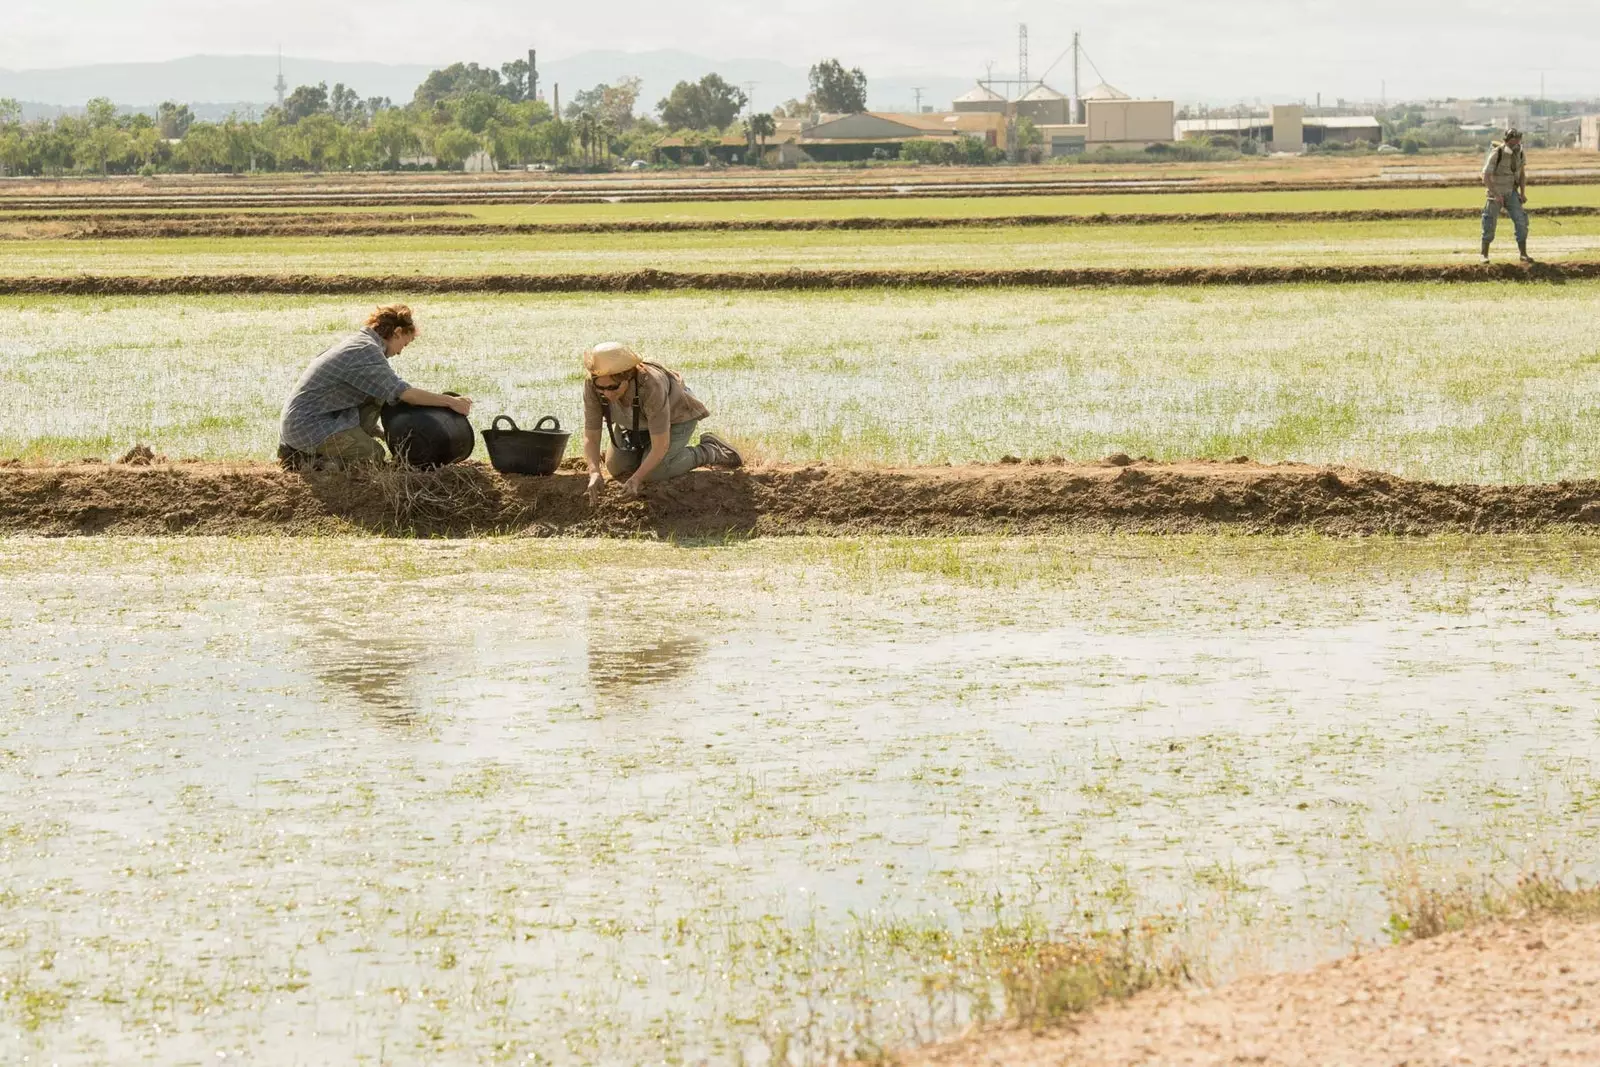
(533,74)
(558,101)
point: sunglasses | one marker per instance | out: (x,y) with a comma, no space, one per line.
(612,388)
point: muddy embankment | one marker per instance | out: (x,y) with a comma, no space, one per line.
(77,226)
(1024,498)
(650,280)
(721,194)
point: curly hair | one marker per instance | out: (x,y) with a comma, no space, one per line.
(389,318)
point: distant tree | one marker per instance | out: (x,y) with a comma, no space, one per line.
(347,106)
(395,135)
(514,80)
(10,112)
(452,145)
(791,109)
(608,103)
(835,89)
(174,120)
(315,135)
(710,104)
(587,129)
(305,101)
(760,128)
(108,145)
(100,112)
(474,110)
(454,80)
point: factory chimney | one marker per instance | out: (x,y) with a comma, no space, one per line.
(533,74)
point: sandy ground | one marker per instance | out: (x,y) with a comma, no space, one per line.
(1499,996)
(1026,498)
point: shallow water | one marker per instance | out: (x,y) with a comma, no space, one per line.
(351,801)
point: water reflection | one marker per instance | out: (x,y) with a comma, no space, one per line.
(355,660)
(618,670)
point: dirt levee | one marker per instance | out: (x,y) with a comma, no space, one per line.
(94,498)
(302,224)
(651,280)
(1504,996)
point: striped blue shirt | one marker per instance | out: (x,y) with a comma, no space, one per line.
(328,397)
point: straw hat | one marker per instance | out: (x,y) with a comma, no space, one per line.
(610,358)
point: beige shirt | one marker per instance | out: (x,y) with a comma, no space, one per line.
(1503,168)
(664,402)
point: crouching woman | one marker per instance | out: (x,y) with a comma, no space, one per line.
(331,418)
(649,415)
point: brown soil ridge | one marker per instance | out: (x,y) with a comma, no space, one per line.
(1020,498)
(225,216)
(895,191)
(90,228)
(651,280)
(1512,995)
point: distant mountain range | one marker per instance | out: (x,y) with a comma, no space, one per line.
(213,86)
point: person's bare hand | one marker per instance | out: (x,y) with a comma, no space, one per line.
(630,489)
(596,486)
(461,405)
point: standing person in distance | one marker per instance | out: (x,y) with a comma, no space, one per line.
(1505,178)
(332,413)
(649,415)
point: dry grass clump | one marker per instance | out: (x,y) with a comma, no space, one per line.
(1421,911)
(418,500)
(1048,978)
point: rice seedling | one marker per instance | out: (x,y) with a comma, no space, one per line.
(1492,383)
(1187,245)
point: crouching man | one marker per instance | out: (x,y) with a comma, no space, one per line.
(331,417)
(649,415)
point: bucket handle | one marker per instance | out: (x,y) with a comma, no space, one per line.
(555,424)
(495,425)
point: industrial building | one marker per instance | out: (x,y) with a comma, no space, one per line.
(1104,117)
(1285,128)
(1589,133)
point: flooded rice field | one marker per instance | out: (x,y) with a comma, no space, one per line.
(314,801)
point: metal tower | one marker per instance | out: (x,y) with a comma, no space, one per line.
(1022,54)
(282,85)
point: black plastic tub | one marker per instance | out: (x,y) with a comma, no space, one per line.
(516,451)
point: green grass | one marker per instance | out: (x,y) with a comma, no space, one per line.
(982,207)
(1494,382)
(1208,245)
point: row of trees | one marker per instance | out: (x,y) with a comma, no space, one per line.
(456,112)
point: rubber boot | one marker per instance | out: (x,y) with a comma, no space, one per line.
(1522,250)
(1484,252)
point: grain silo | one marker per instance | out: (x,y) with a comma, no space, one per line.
(981,98)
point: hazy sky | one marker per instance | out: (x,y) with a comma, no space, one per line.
(1184,48)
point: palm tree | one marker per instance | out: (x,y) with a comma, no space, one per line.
(588,131)
(762,126)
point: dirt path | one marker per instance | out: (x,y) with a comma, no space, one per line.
(1516,995)
(651,280)
(196,498)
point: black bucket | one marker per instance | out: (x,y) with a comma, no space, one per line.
(535,451)
(425,436)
